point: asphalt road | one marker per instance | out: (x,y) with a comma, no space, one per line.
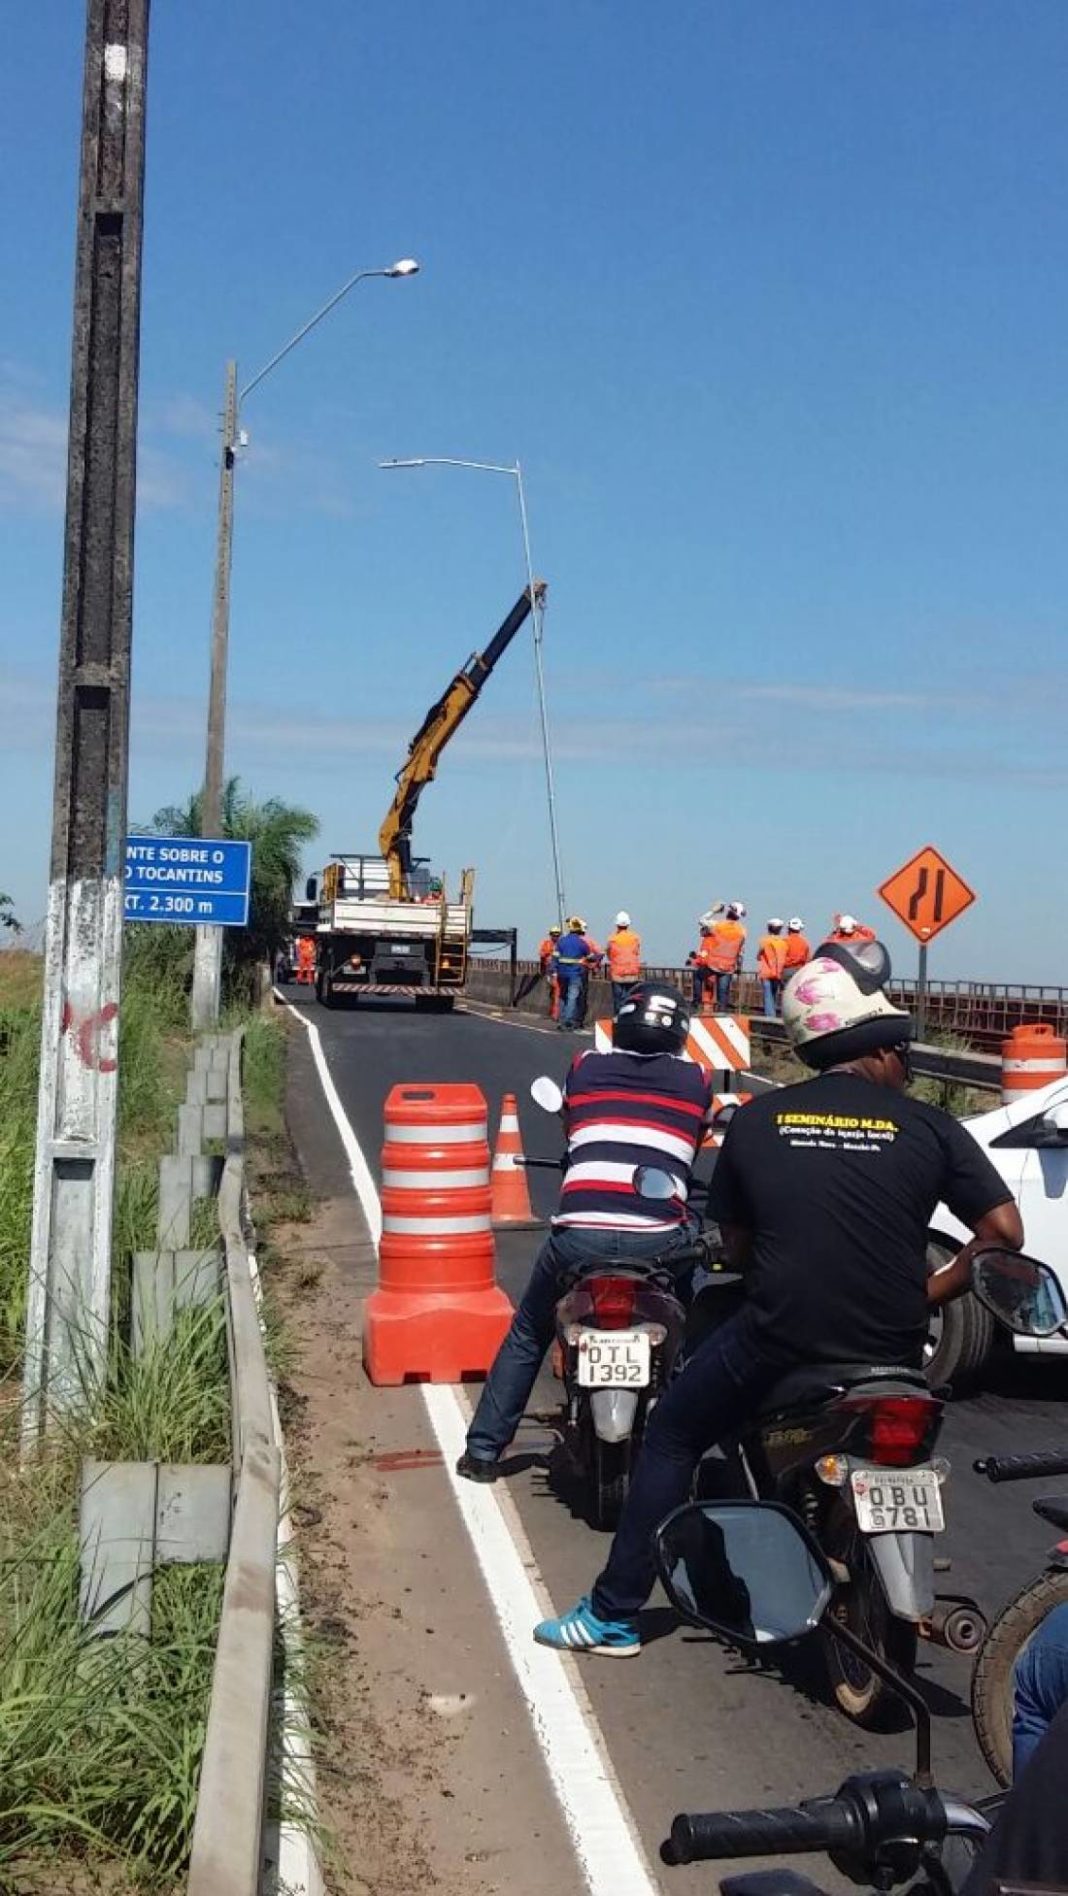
(688,1726)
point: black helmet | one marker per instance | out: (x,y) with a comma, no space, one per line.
(652,1018)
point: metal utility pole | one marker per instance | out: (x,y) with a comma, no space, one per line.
(207,956)
(70,1254)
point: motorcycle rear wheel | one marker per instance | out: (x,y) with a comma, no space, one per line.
(858,1691)
(992,1679)
(611,1481)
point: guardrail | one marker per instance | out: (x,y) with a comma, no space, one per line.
(227,1851)
(526,992)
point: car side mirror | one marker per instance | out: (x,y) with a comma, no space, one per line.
(1055,1123)
(1021,1292)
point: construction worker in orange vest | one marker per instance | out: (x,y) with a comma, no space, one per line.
(798,947)
(723,951)
(306,960)
(624,955)
(771,964)
(546,951)
(697,961)
(847,929)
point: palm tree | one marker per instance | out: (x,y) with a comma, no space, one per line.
(277,832)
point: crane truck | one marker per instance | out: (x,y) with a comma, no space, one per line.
(385,923)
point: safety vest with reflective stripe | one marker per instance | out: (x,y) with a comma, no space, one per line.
(723,950)
(624,953)
(771,957)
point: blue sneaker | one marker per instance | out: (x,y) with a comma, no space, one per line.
(582,1630)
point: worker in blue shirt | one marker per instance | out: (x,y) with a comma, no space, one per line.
(571,960)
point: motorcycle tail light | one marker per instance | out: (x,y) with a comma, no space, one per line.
(834,1470)
(900,1428)
(613,1300)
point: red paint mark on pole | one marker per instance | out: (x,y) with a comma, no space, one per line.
(87,1031)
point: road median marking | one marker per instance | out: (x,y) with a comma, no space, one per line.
(592,1803)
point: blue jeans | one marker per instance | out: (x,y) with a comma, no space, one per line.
(1040,1685)
(723,993)
(507,1388)
(772,990)
(698,977)
(620,990)
(570,996)
(721,1384)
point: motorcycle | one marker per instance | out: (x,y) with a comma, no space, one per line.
(850,1448)
(1009,1633)
(751,1572)
(619,1331)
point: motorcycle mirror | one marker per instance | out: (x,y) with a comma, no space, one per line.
(1021,1292)
(724,1114)
(651,1182)
(748,1570)
(546,1094)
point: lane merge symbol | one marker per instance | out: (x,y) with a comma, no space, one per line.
(926,894)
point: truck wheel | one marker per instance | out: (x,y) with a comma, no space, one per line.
(960,1334)
(324,988)
(992,1680)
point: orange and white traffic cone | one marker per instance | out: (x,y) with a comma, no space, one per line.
(510,1192)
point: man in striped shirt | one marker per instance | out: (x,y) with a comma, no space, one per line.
(642,1104)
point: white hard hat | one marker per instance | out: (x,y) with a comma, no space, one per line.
(776,921)
(835,1008)
(847,923)
(622,919)
(736,909)
(795,925)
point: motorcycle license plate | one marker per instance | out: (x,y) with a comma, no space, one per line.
(891,1500)
(613,1357)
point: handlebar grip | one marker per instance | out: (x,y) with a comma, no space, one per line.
(827,1824)
(1047,1461)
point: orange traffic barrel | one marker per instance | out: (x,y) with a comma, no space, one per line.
(437,1315)
(1032,1057)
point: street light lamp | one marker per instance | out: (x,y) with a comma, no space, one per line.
(207,960)
(515,470)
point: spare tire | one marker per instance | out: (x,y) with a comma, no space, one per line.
(961,1333)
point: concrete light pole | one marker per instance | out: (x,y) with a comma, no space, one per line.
(207,958)
(69,1291)
(516,472)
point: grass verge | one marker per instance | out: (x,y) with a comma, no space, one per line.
(100,1739)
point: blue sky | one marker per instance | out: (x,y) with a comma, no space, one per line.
(771,300)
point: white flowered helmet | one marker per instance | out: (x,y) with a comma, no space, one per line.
(836,1009)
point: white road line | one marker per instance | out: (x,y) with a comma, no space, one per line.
(483,1011)
(593,1806)
(361,1174)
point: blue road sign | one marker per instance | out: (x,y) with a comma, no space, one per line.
(188,879)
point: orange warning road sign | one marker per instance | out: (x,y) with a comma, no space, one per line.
(926,894)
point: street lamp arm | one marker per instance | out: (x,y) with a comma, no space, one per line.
(450,460)
(408,268)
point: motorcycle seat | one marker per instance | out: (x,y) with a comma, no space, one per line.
(815,1382)
(1053,1508)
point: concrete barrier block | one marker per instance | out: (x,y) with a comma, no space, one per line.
(192,1512)
(117,1534)
(215,1120)
(196,1087)
(207,1172)
(175,1201)
(190,1130)
(215,1084)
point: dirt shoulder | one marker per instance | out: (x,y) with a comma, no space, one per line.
(430,1777)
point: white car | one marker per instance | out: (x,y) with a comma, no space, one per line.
(1028,1143)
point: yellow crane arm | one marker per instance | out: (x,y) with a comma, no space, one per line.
(441,721)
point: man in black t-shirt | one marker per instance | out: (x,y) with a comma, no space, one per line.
(824,1192)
